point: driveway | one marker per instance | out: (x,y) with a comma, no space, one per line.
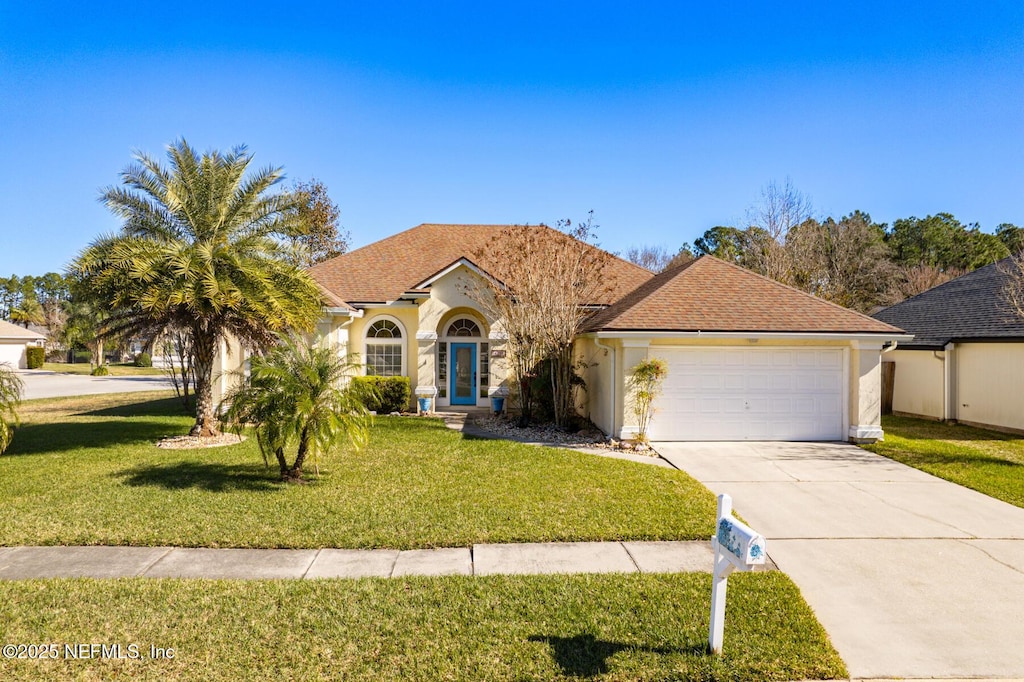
(43,384)
(912,576)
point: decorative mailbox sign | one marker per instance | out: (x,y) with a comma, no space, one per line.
(736,546)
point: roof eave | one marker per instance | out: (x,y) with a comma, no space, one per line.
(675,334)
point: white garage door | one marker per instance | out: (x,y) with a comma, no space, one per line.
(750,394)
(13,354)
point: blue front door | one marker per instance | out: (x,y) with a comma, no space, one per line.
(463,374)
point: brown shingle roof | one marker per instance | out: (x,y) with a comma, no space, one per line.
(709,294)
(384,270)
(13,331)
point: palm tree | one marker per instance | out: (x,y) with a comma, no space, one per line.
(10,395)
(294,395)
(29,312)
(201,250)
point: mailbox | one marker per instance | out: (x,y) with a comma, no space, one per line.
(739,543)
(736,546)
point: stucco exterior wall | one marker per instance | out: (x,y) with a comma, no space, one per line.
(918,383)
(864,399)
(228,364)
(990,384)
(597,374)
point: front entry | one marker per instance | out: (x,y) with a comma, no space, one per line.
(463,374)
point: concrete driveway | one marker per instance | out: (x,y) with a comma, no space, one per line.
(43,384)
(912,576)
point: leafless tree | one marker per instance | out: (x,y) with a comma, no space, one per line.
(840,261)
(916,279)
(546,279)
(1013,290)
(782,207)
(657,258)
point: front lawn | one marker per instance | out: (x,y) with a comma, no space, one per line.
(86,471)
(987,461)
(600,627)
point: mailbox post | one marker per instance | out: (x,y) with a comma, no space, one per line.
(736,546)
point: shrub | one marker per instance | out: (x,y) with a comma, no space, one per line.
(143,360)
(100,371)
(35,356)
(383,394)
(645,380)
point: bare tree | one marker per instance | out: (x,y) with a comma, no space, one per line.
(782,207)
(916,279)
(547,279)
(840,261)
(657,258)
(1013,290)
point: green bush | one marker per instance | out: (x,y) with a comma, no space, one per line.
(143,360)
(35,356)
(383,395)
(100,371)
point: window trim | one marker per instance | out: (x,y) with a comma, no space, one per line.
(384,341)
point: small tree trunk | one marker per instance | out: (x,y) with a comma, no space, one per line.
(295,473)
(282,462)
(206,423)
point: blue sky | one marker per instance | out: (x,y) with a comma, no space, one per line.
(665,119)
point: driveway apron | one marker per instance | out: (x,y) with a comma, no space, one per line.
(912,576)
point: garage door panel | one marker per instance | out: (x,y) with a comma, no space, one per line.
(751,394)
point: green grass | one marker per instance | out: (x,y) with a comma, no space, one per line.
(987,461)
(86,471)
(117,369)
(596,627)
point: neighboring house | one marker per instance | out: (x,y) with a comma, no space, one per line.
(966,360)
(13,342)
(748,358)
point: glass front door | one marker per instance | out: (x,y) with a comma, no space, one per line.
(463,374)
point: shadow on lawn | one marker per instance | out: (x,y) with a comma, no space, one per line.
(217,478)
(34,439)
(586,656)
(913,428)
(163,407)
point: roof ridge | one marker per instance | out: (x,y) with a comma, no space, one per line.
(947,282)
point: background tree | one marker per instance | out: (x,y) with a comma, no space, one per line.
(658,258)
(318,237)
(941,241)
(1011,236)
(842,261)
(726,243)
(11,388)
(782,207)
(293,396)
(202,249)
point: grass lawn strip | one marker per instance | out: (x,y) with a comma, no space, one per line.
(987,461)
(116,369)
(86,470)
(601,627)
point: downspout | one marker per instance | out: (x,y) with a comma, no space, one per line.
(611,351)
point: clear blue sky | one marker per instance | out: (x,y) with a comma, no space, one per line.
(665,119)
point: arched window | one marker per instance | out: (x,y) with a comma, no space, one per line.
(463,327)
(385,348)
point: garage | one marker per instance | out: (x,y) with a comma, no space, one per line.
(13,342)
(743,393)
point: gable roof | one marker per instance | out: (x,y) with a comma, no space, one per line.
(968,307)
(711,295)
(386,269)
(9,330)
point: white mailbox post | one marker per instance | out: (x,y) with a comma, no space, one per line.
(736,545)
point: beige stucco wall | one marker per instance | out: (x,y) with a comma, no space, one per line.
(918,383)
(990,384)
(596,400)
(228,364)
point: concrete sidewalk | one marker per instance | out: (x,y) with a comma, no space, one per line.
(19,563)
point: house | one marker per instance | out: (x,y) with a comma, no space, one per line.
(14,341)
(748,357)
(966,360)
